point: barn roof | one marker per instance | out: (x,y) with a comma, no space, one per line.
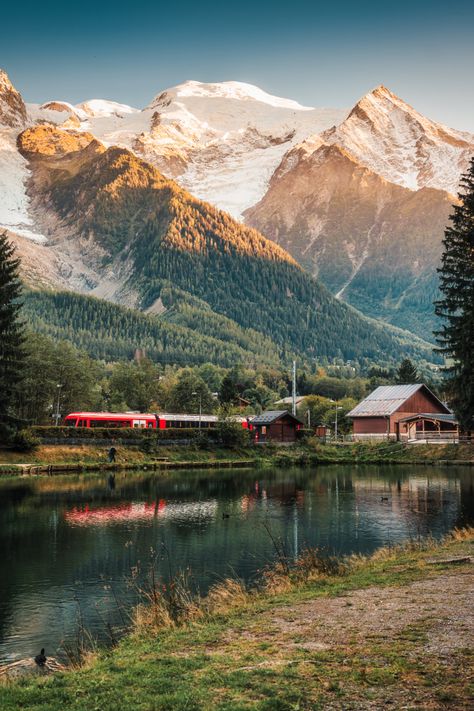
(266,418)
(387,399)
(441,416)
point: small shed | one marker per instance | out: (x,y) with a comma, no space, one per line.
(275,426)
(383,414)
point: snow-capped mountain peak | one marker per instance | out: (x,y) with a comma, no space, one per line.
(223,141)
(94,108)
(390,137)
(234,90)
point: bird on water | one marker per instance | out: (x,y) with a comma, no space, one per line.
(40,658)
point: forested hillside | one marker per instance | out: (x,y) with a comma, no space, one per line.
(131,222)
(112,332)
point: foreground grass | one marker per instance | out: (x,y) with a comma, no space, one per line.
(287,646)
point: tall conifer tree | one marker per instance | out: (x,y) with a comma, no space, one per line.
(407,373)
(456,306)
(11,338)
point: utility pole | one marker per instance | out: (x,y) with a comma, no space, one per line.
(57,416)
(338,407)
(293,408)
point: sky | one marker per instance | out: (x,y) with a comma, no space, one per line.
(327,54)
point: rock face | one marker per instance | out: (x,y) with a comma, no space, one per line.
(363,206)
(12,107)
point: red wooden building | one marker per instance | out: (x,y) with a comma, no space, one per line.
(390,410)
(275,426)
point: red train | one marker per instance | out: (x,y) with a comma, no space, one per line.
(160,421)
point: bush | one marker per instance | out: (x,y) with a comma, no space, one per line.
(232,433)
(125,434)
(25,441)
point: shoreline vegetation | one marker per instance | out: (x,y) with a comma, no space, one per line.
(316,632)
(61,458)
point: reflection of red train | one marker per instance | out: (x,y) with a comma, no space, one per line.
(138,419)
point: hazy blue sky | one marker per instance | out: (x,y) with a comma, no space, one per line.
(321,55)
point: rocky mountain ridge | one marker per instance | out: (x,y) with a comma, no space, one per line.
(359,198)
(135,237)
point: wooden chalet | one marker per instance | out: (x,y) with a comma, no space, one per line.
(275,426)
(402,412)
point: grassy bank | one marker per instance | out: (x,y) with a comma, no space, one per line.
(91,455)
(358,634)
(393,452)
(313,452)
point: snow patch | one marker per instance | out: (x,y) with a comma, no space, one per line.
(14,201)
(102,108)
(231,90)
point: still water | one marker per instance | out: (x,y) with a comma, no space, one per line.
(77,549)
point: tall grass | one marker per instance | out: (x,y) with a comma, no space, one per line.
(175,604)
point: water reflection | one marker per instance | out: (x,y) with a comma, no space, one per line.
(69,545)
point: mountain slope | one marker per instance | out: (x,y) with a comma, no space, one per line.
(342,204)
(126,219)
(221,141)
(113,332)
(374,244)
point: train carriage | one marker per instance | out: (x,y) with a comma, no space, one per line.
(111,419)
(140,420)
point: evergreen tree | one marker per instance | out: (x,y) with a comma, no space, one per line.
(229,392)
(456,306)
(11,339)
(407,373)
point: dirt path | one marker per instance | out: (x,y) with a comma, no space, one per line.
(446,602)
(407,647)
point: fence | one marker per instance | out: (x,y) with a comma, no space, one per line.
(447,437)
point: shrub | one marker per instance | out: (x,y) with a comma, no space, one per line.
(231,433)
(124,435)
(25,441)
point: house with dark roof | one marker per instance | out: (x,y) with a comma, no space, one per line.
(275,426)
(401,412)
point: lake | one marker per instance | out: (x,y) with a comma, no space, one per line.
(75,550)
